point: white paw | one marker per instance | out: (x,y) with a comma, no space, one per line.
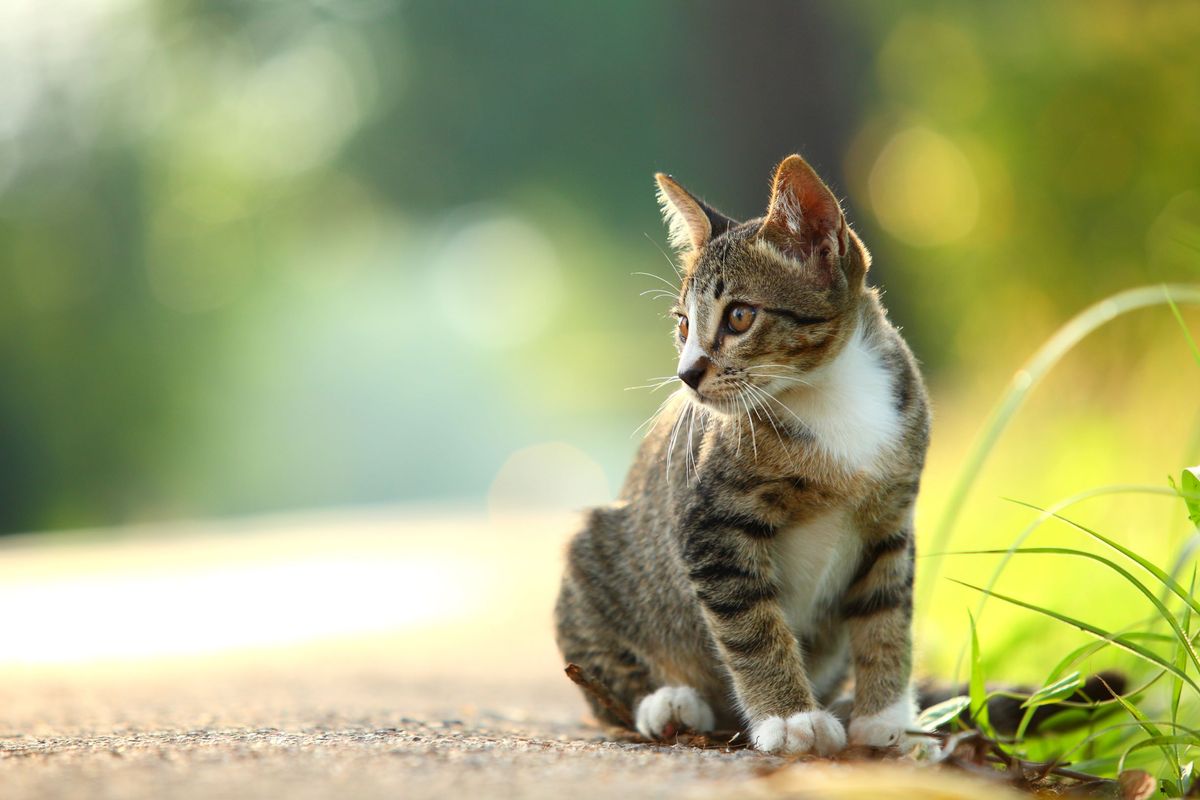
(679,705)
(888,728)
(807,732)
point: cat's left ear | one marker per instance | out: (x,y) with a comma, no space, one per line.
(691,222)
(805,219)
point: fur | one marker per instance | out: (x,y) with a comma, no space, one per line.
(762,545)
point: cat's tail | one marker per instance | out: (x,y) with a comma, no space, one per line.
(1005,712)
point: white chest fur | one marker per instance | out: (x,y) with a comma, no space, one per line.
(813,561)
(849,407)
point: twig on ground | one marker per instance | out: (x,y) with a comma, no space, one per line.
(601,694)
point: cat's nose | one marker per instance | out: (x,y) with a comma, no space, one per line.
(693,373)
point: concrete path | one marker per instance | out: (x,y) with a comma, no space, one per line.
(372,655)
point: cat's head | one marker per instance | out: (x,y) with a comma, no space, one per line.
(764,303)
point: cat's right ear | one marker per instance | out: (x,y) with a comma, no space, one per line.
(691,222)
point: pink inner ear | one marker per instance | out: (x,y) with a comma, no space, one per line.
(804,215)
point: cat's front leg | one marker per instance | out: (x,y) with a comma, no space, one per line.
(730,569)
(878,612)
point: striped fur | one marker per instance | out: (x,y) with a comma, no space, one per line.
(763,541)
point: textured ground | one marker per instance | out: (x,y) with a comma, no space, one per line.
(359,735)
(369,656)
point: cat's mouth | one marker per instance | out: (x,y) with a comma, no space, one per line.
(723,400)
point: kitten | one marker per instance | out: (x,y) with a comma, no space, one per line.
(763,541)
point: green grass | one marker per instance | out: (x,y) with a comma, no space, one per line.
(1155,725)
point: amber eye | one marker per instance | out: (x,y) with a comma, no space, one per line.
(739,317)
(683,328)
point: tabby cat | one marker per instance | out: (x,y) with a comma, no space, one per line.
(763,541)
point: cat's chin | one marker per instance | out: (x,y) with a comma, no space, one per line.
(726,406)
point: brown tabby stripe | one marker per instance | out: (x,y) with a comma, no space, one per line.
(681,580)
(883,598)
(704,548)
(730,605)
(749,642)
(719,571)
(712,520)
(877,550)
(796,318)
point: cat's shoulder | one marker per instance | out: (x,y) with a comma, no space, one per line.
(858,409)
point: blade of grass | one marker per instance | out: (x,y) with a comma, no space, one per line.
(1123,726)
(1088,650)
(1153,731)
(1024,381)
(1164,612)
(942,713)
(1180,661)
(1163,577)
(976,688)
(1078,654)
(1116,639)
(1061,505)
(1187,334)
(1061,689)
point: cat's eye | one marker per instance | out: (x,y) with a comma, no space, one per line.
(683,328)
(740,317)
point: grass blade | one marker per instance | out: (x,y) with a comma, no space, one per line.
(1154,732)
(976,687)
(942,713)
(1051,693)
(1024,381)
(1181,637)
(1163,577)
(1187,333)
(1060,505)
(1116,639)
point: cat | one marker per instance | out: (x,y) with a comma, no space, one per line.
(762,546)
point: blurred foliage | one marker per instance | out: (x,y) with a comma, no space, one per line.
(267,254)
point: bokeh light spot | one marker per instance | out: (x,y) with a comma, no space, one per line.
(554,476)
(923,189)
(498,281)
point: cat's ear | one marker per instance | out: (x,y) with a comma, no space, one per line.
(691,222)
(804,217)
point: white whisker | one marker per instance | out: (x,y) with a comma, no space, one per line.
(671,444)
(655,385)
(753,441)
(672,286)
(670,260)
(688,462)
(653,418)
(771,418)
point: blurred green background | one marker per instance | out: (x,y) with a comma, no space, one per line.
(275,255)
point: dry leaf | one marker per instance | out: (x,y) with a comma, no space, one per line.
(1136,784)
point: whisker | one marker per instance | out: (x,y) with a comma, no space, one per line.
(792,378)
(690,463)
(670,285)
(737,420)
(779,403)
(653,418)
(671,444)
(655,384)
(753,441)
(771,419)
(670,260)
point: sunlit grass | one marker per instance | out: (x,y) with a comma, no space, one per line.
(1156,724)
